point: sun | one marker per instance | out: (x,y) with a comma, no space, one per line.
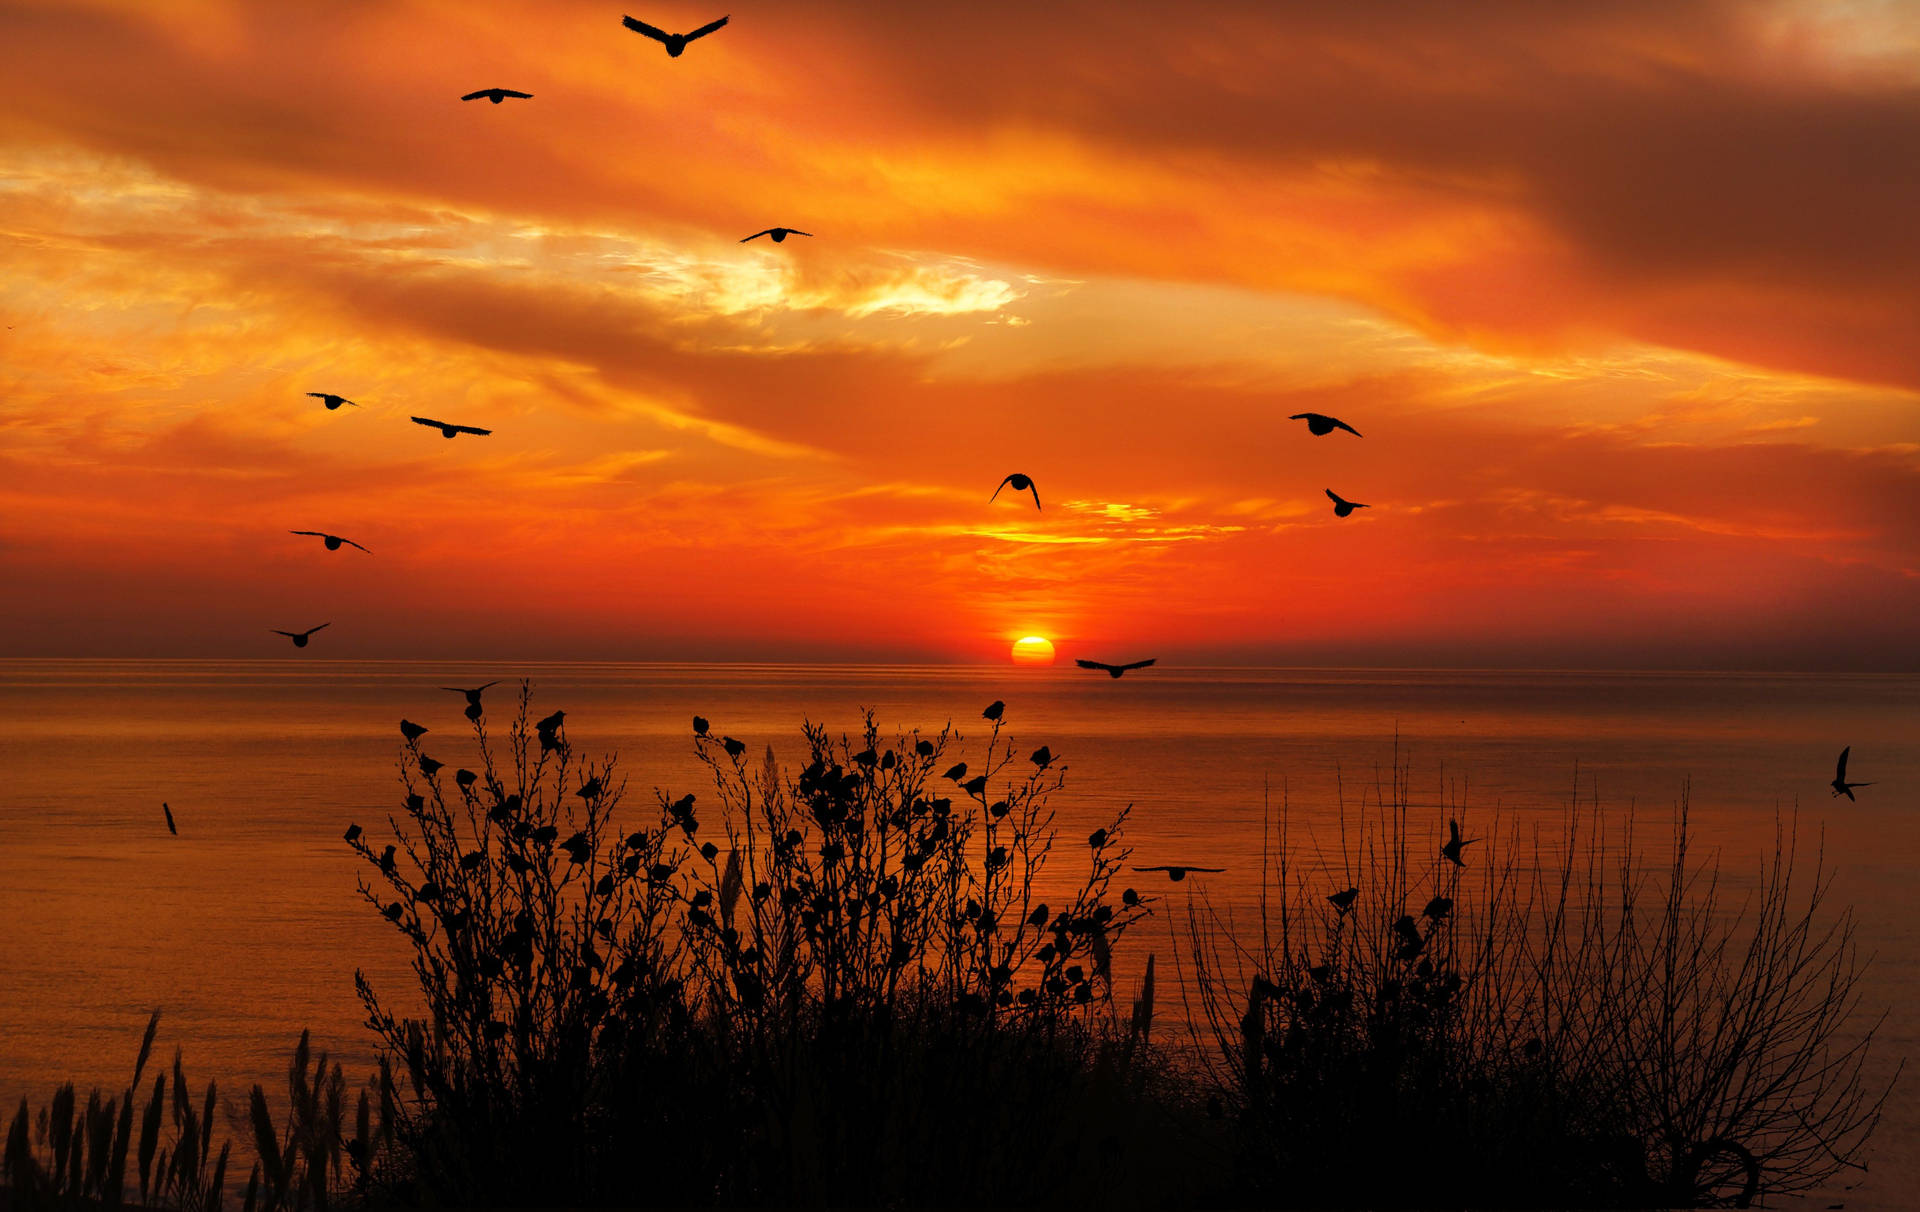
(1033,650)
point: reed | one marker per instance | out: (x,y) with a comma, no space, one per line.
(73,1156)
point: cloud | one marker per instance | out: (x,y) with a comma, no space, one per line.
(1621,292)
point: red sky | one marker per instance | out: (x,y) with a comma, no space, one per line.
(1624,297)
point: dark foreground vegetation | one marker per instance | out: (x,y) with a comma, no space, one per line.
(883,978)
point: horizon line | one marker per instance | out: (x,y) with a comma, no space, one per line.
(1674,670)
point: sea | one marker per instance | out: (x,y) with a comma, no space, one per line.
(246,928)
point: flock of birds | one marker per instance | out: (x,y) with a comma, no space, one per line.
(1318,424)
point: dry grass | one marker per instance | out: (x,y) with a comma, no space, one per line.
(77,1157)
(1560,1022)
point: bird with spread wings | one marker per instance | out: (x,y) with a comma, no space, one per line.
(1114,671)
(1840,784)
(1320,424)
(675,43)
(1019,482)
(1176,874)
(449,431)
(332,541)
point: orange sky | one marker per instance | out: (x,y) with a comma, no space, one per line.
(1624,297)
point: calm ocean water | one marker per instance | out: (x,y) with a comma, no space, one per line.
(246,928)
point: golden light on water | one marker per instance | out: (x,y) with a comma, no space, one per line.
(1033,650)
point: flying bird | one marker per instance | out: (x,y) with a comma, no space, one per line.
(473,697)
(496,95)
(1114,671)
(333,541)
(1320,425)
(449,431)
(778,233)
(299,638)
(169,812)
(1176,874)
(1343,507)
(675,43)
(330,400)
(1020,483)
(1451,851)
(1840,784)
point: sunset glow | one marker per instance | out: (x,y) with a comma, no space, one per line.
(1621,295)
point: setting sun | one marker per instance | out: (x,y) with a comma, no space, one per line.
(1033,650)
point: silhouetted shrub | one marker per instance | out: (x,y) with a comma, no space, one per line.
(1549,1026)
(837,985)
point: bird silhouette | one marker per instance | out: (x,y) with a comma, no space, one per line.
(1021,483)
(779,234)
(473,697)
(449,431)
(994,711)
(496,95)
(1114,671)
(411,730)
(1840,784)
(169,812)
(1176,874)
(1320,425)
(332,401)
(1451,851)
(1343,901)
(332,541)
(1343,507)
(299,638)
(675,43)
(1438,907)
